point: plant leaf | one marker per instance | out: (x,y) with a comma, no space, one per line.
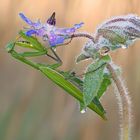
(69,87)
(97,102)
(104,85)
(93,79)
(79,83)
(82,107)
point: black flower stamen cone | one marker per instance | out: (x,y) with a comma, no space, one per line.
(52,20)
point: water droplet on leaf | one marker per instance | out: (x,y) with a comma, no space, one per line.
(83,111)
(124,46)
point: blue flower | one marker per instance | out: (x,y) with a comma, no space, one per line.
(48,31)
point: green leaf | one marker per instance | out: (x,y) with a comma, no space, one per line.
(82,107)
(97,102)
(69,87)
(104,85)
(93,79)
(79,83)
(36,44)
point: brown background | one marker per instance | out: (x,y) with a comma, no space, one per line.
(34,108)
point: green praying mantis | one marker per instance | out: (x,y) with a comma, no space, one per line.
(66,80)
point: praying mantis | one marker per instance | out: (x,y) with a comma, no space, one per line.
(50,70)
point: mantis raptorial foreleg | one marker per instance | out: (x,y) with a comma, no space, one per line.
(32,43)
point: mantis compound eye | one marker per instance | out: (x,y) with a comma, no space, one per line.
(104,50)
(52,19)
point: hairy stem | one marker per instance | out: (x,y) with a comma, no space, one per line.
(125,105)
(122,95)
(84,35)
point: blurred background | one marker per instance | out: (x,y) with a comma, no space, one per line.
(34,108)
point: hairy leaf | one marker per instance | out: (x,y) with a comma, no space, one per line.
(97,102)
(104,85)
(93,79)
(79,83)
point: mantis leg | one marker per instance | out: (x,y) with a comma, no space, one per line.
(74,75)
(57,58)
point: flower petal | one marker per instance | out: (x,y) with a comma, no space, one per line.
(31,32)
(55,40)
(68,31)
(27,20)
(55,36)
(59,40)
(77,26)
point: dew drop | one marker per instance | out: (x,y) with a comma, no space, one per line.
(124,46)
(83,111)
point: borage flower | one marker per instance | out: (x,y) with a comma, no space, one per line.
(48,31)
